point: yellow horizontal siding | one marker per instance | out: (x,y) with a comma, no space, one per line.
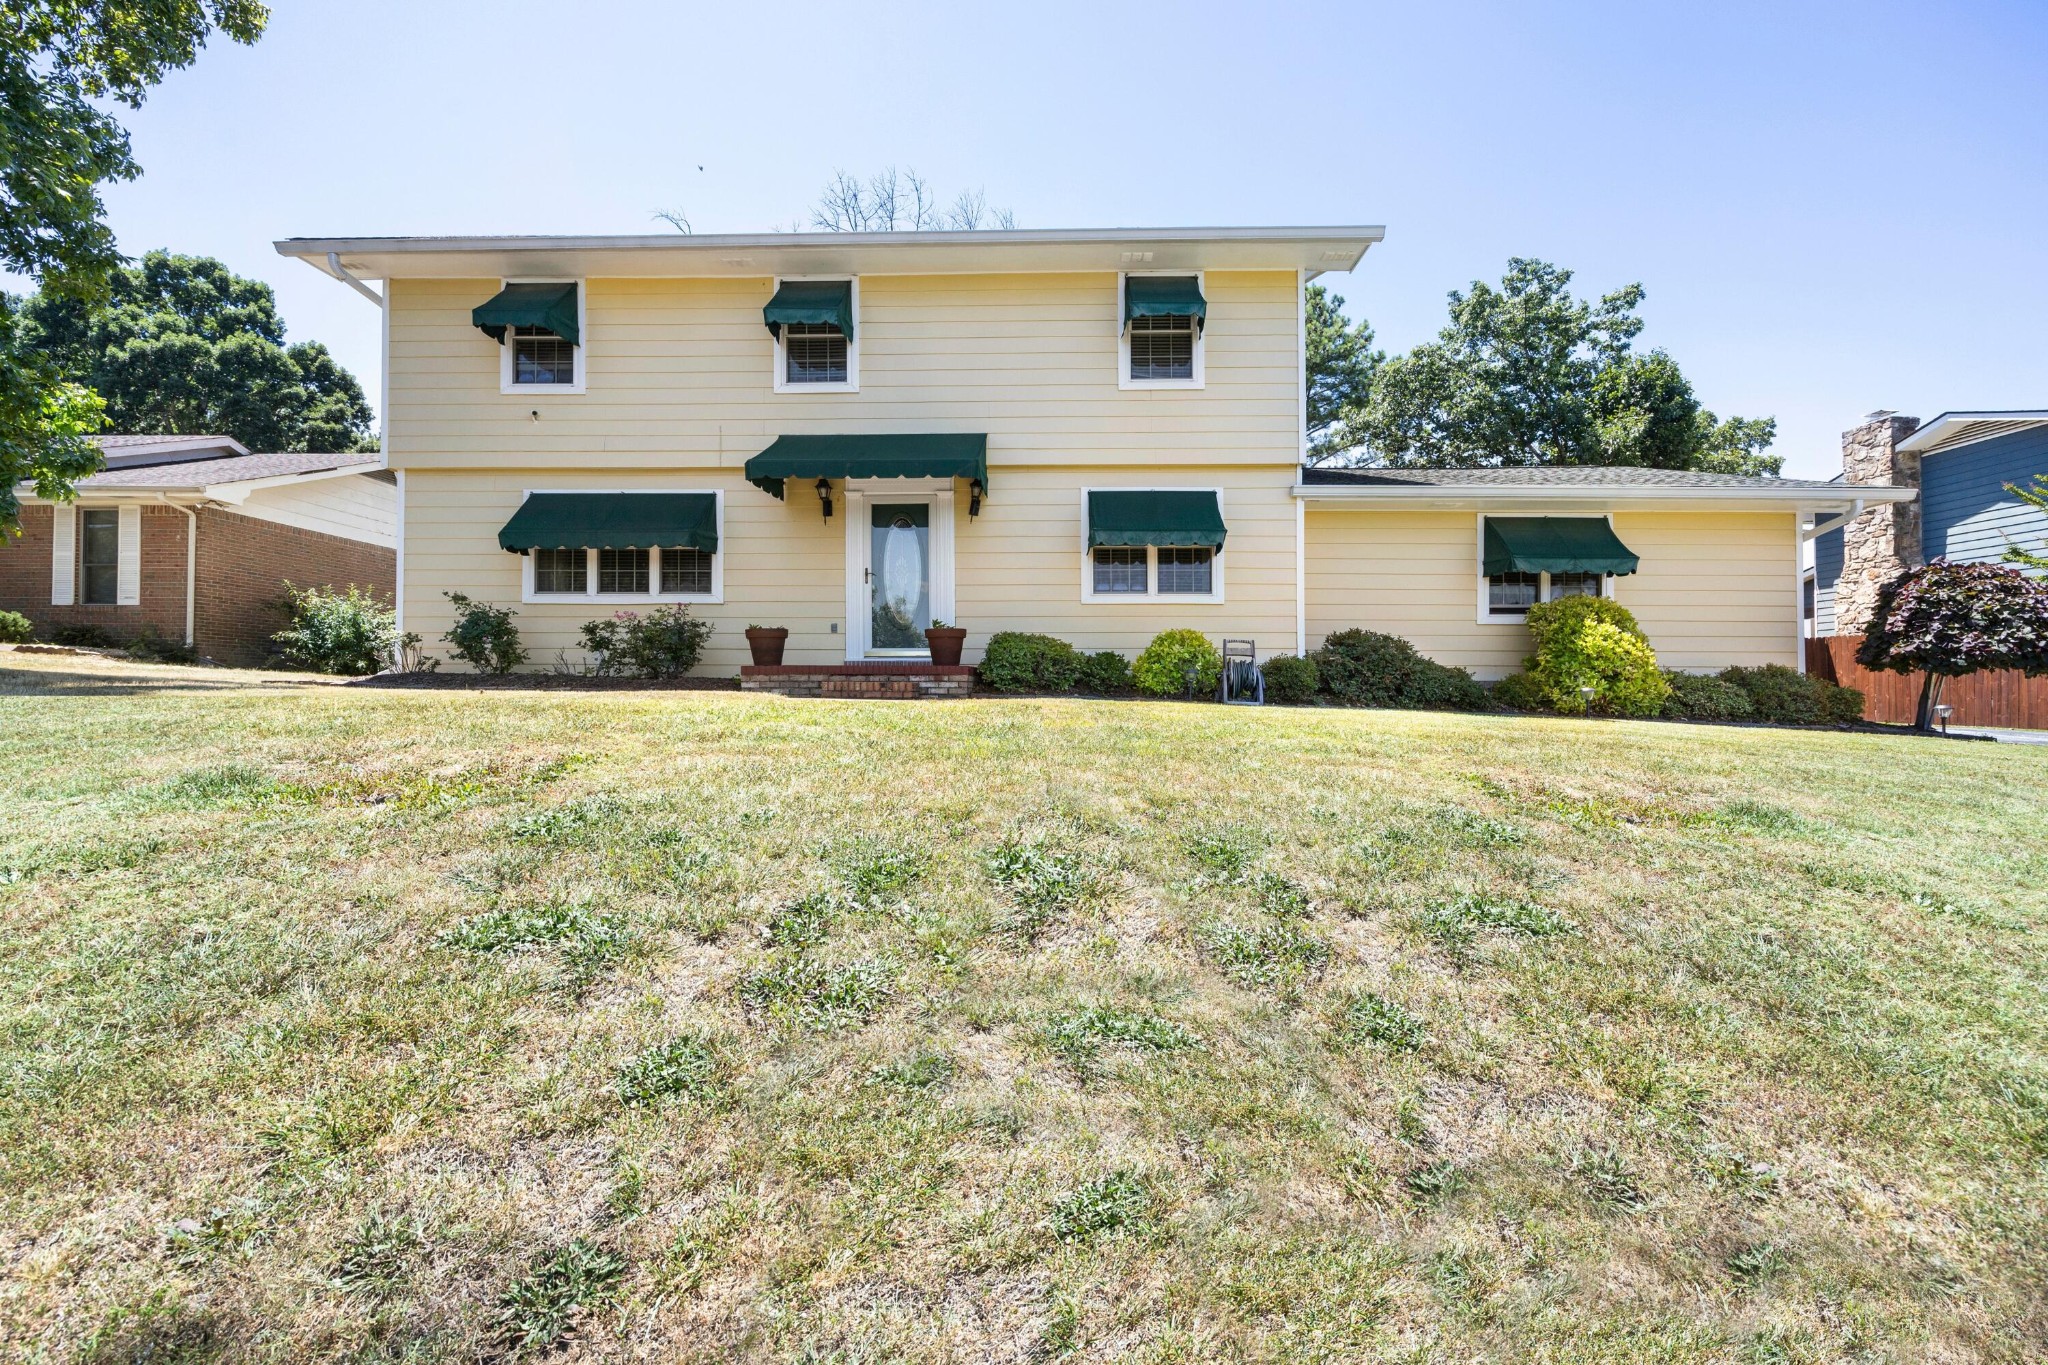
(1016,567)
(679,372)
(1713,589)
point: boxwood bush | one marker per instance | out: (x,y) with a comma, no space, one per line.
(1163,668)
(1366,668)
(1105,672)
(1592,642)
(1785,696)
(1017,662)
(1702,696)
(1291,681)
(1518,692)
(15,628)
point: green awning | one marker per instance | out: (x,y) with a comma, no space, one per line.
(811,301)
(1164,296)
(1555,545)
(551,306)
(1154,516)
(928,456)
(613,521)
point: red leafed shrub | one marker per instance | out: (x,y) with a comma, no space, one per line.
(1947,619)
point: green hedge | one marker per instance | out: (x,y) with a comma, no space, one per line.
(1163,668)
(1105,672)
(1291,681)
(1701,696)
(1366,668)
(1017,662)
(1785,696)
(1594,643)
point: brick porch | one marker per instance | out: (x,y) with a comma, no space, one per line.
(866,681)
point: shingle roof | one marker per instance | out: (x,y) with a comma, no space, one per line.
(1552,476)
(193,474)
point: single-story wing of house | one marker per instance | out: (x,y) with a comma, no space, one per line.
(1097,435)
(193,538)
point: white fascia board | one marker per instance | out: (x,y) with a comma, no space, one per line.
(233,490)
(1949,425)
(1705,499)
(747,255)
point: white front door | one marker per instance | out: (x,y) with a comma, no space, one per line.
(899,565)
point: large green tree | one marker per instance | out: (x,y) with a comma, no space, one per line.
(1341,363)
(1528,374)
(62,64)
(183,344)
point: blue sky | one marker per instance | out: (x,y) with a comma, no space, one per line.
(1834,207)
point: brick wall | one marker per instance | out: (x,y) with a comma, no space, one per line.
(244,564)
(25,579)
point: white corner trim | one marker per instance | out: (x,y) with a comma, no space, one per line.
(590,596)
(778,361)
(63,554)
(1300,577)
(398,581)
(1151,597)
(505,384)
(1123,337)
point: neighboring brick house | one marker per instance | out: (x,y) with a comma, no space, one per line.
(193,538)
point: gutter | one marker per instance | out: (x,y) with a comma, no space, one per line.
(340,272)
(1440,495)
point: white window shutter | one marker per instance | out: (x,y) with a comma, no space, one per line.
(128,571)
(63,553)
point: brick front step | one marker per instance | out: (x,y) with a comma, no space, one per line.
(864,681)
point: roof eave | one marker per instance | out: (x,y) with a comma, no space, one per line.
(1475,495)
(1942,429)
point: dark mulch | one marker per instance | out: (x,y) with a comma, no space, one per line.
(540,682)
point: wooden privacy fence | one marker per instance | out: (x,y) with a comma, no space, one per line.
(2008,700)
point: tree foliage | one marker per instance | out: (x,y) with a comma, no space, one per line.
(1341,362)
(1947,620)
(2037,498)
(1528,374)
(62,63)
(183,345)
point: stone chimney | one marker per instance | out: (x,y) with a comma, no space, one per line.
(1884,541)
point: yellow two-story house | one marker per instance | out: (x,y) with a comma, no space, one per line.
(1096,435)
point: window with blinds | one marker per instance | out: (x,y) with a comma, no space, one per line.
(1184,569)
(1120,568)
(541,357)
(684,569)
(561,571)
(1163,347)
(1512,594)
(622,571)
(813,353)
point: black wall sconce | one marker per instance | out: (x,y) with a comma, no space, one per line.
(825,496)
(974,492)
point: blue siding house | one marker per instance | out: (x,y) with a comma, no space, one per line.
(1966,461)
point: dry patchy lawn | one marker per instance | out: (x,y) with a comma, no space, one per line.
(340,1024)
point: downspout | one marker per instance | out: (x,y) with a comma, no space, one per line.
(335,268)
(191,563)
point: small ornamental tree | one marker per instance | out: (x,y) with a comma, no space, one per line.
(1947,620)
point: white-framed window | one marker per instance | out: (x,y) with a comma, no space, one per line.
(1506,598)
(817,357)
(99,556)
(671,573)
(1160,352)
(534,360)
(1152,573)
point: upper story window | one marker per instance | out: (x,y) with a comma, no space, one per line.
(1163,320)
(539,328)
(817,343)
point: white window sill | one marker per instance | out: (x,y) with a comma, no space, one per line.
(540,388)
(1152,599)
(817,388)
(620,599)
(1127,383)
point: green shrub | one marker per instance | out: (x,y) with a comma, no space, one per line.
(1366,668)
(350,632)
(1701,696)
(1519,692)
(484,636)
(665,643)
(82,637)
(1016,662)
(1593,642)
(15,628)
(1290,680)
(1785,696)
(1105,672)
(1163,668)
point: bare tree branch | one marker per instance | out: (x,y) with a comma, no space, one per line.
(676,219)
(894,200)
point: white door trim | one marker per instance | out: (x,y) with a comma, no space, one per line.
(938,494)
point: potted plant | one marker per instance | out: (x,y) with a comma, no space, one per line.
(766,643)
(945,643)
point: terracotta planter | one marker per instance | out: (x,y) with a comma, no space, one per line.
(945,642)
(767,644)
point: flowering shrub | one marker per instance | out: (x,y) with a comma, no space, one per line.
(1591,642)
